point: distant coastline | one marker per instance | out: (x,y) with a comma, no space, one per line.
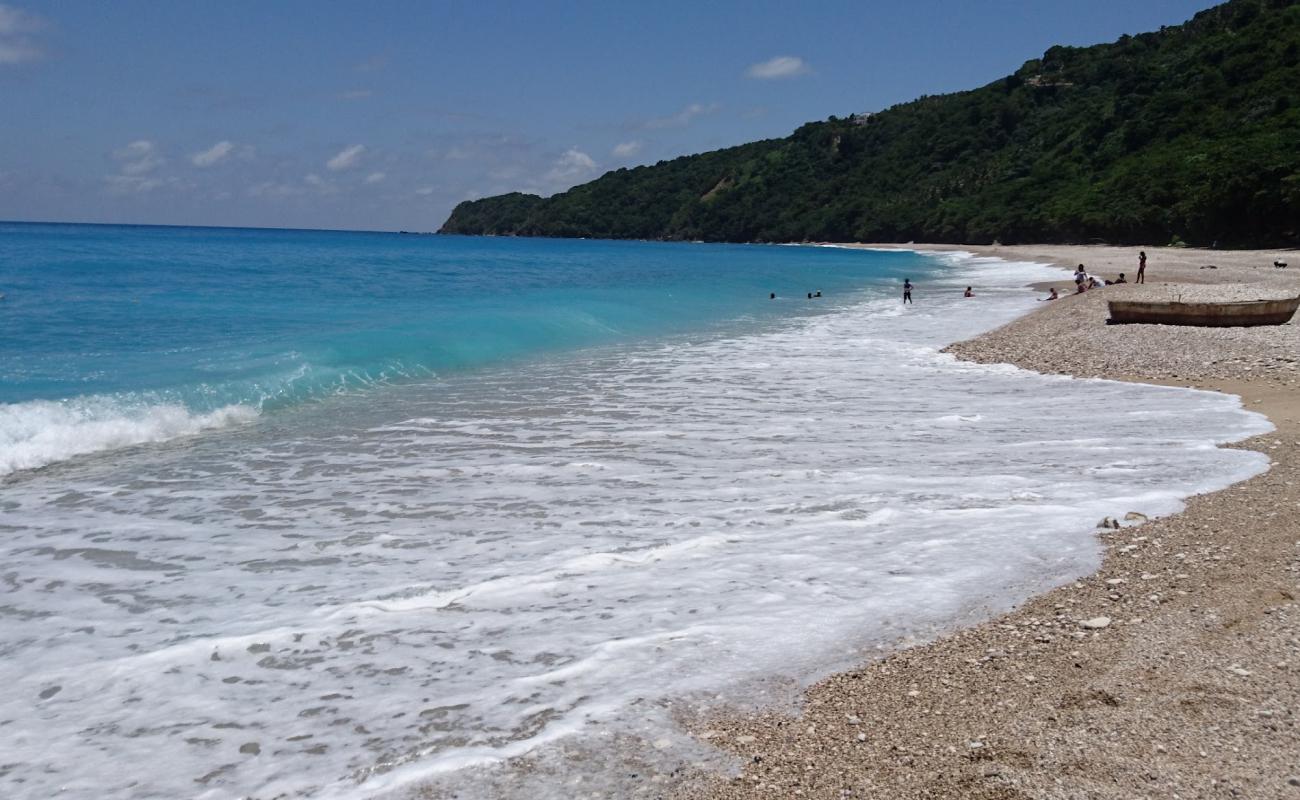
(1182,135)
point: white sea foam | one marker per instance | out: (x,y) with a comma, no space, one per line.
(361,596)
(41,432)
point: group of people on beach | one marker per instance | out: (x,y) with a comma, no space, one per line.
(1083,282)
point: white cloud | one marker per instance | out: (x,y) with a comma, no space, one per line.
(625,149)
(376,177)
(424,191)
(572,167)
(779,67)
(213,154)
(684,117)
(346,158)
(355,94)
(321,185)
(15,46)
(138,158)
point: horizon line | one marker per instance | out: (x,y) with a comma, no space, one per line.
(212,227)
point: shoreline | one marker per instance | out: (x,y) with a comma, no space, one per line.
(1173,670)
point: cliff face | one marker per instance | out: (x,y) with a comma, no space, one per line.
(1191,133)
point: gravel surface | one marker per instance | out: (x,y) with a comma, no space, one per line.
(1173,672)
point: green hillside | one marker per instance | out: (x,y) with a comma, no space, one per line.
(1191,133)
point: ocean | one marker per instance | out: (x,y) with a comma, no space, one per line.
(302,514)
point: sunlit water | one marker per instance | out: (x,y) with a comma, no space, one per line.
(392,581)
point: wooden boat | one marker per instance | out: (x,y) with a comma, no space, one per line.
(1219,315)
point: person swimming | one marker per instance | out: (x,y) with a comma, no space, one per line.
(969,292)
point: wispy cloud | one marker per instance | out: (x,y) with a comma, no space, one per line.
(424,191)
(346,159)
(18,51)
(321,185)
(16,45)
(137,165)
(135,184)
(682,118)
(779,67)
(213,154)
(574,166)
(356,94)
(138,158)
(626,149)
(376,177)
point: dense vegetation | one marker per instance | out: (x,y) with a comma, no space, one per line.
(1188,134)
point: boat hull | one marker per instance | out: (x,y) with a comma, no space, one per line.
(1216,315)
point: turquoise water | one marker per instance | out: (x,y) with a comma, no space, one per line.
(212,316)
(120,335)
(331,515)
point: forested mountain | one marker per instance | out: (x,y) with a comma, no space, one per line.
(1191,133)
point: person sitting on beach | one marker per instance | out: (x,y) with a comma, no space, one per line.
(969,292)
(1080,279)
(1121,279)
(1092,283)
(1053,295)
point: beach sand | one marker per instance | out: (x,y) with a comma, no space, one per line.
(1172,672)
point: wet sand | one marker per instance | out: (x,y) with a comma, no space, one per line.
(1172,672)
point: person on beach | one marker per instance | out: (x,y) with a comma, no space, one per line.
(1093,284)
(969,292)
(1141,277)
(907,290)
(1052,296)
(1121,279)
(1080,276)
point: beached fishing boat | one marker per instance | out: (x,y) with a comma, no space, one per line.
(1220,315)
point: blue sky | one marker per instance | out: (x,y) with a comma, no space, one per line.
(383,115)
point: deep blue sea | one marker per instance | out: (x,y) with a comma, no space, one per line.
(300,514)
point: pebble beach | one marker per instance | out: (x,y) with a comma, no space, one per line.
(1171,672)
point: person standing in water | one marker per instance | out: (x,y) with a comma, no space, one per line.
(907,290)
(1141,277)
(970,292)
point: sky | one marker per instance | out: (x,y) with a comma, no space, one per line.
(384,115)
